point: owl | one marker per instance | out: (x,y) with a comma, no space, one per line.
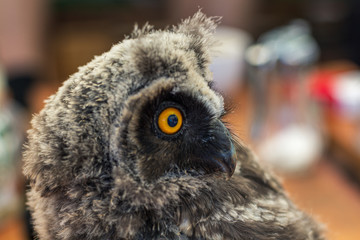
(133,146)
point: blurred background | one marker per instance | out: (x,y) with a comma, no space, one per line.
(289,70)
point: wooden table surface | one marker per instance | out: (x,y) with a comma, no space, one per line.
(330,198)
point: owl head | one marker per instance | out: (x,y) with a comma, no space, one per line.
(146,106)
(170,120)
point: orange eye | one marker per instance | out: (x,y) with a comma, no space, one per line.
(170,120)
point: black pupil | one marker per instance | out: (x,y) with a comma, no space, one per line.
(172,120)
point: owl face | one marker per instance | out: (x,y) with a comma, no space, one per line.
(170,129)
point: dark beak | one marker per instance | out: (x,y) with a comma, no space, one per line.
(219,154)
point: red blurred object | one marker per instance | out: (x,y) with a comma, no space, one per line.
(322,82)
(321,86)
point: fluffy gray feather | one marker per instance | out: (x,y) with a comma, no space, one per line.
(100,168)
